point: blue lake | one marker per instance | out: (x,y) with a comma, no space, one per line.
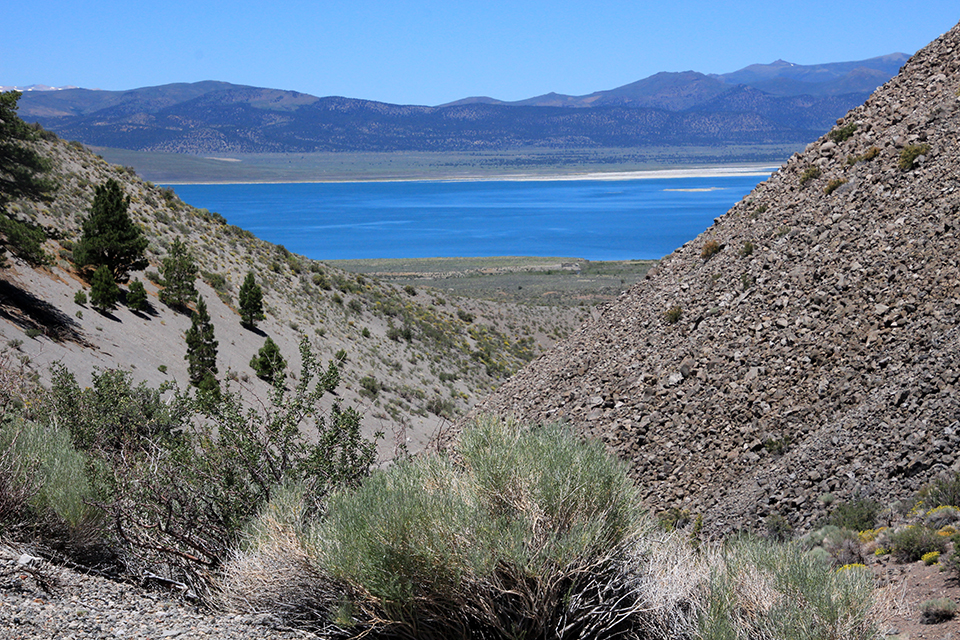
(592,219)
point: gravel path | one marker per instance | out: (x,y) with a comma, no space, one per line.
(41,600)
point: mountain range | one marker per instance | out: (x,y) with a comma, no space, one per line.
(771,103)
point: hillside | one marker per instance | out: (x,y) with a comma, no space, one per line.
(411,359)
(806,344)
(788,104)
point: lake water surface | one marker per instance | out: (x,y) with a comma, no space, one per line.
(592,219)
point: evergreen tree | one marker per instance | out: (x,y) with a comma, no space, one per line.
(137,296)
(202,349)
(21,176)
(179,272)
(110,236)
(103,290)
(251,302)
(269,363)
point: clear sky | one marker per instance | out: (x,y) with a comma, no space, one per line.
(436,51)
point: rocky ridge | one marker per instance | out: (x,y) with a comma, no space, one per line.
(805,344)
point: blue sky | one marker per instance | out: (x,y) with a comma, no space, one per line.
(432,51)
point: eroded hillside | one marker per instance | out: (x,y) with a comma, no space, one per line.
(806,344)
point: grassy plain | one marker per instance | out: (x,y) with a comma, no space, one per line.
(554,281)
(417,165)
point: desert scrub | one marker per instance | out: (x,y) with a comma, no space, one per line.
(792,595)
(910,153)
(710,249)
(523,532)
(840,134)
(856,515)
(937,610)
(673,314)
(746,249)
(44,484)
(867,155)
(833,185)
(912,542)
(810,173)
(942,491)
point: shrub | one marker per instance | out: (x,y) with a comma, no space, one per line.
(810,173)
(843,133)
(937,610)
(43,481)
(527,531)
(710,249)
(760,589)
(857,515)
(80,297)
(911,543)
(910,153)
(369,386)
(833,185)
(943,491)
(225,465)
(103,290)
(941,516)
(746,249)
(673,314)
(269,364)
(931,558)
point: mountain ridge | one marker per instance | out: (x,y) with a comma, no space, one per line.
(665,109)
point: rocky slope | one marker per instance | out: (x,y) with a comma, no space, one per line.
(807,343)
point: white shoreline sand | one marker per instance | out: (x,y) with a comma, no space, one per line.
(710,171)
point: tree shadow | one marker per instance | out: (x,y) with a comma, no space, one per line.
(255,330)
(27,311)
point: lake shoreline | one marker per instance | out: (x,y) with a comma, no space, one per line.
(706,171)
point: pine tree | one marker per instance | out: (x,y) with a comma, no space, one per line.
(202,349)
(103,290)
(137,296)
(110,236)
(251,302)
(21,176)
(179,272)
(269,363)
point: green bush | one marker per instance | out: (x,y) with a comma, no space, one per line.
(225,464)
(840,134)
(858,515)
(746,249)
(505,541)
(269,363)
(911,543)
(44,482)
(942,491)
(910,153)
(810,173)
(937,610)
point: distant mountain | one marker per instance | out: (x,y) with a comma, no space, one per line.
(686,89)
(779,103)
